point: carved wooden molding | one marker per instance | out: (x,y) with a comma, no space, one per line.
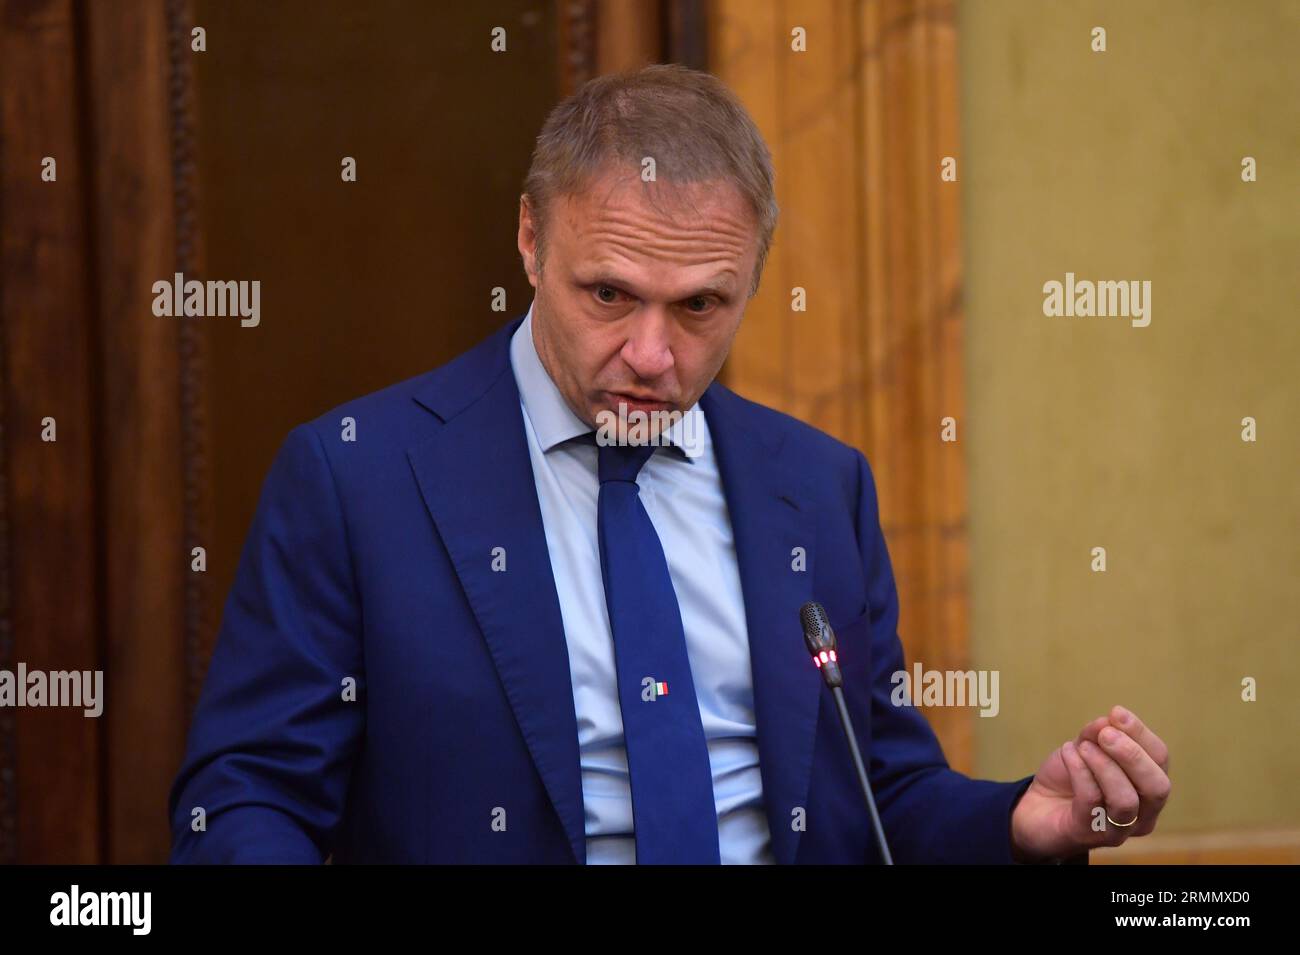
(8,659)
(577,22)
(616,35)
(199,635)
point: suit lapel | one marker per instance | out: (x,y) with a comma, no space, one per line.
(477,481)
(771,515)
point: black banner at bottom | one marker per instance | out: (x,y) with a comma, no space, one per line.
(332,904)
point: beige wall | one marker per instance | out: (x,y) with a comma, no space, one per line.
(1086,432)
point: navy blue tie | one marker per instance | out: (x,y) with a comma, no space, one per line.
(674,815)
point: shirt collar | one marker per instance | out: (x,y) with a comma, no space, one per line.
(554,422)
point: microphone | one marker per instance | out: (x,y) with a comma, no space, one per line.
(820,640)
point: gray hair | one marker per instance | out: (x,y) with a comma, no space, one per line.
(694,127)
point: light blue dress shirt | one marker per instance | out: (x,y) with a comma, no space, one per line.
(683,496)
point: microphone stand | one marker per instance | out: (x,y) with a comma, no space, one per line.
(838,693)
(821,643)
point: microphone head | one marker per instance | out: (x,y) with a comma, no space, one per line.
(820,641)
(817,632)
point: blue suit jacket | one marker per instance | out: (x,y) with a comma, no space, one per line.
(371,561)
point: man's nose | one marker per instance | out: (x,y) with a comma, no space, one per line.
(648,349)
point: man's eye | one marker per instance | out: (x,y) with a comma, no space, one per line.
(600,289)
(703,301)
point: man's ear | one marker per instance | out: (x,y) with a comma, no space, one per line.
(527,240)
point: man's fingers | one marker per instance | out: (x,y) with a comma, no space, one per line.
(1129,722)
(1148,779)
(1119,796)
(1087,794)
(1090,731)
(1129,764)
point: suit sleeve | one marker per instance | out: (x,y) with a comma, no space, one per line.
(273,738)
(930,812)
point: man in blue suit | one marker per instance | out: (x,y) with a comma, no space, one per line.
(473,624)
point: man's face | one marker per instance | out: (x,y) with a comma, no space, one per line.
(638,304)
